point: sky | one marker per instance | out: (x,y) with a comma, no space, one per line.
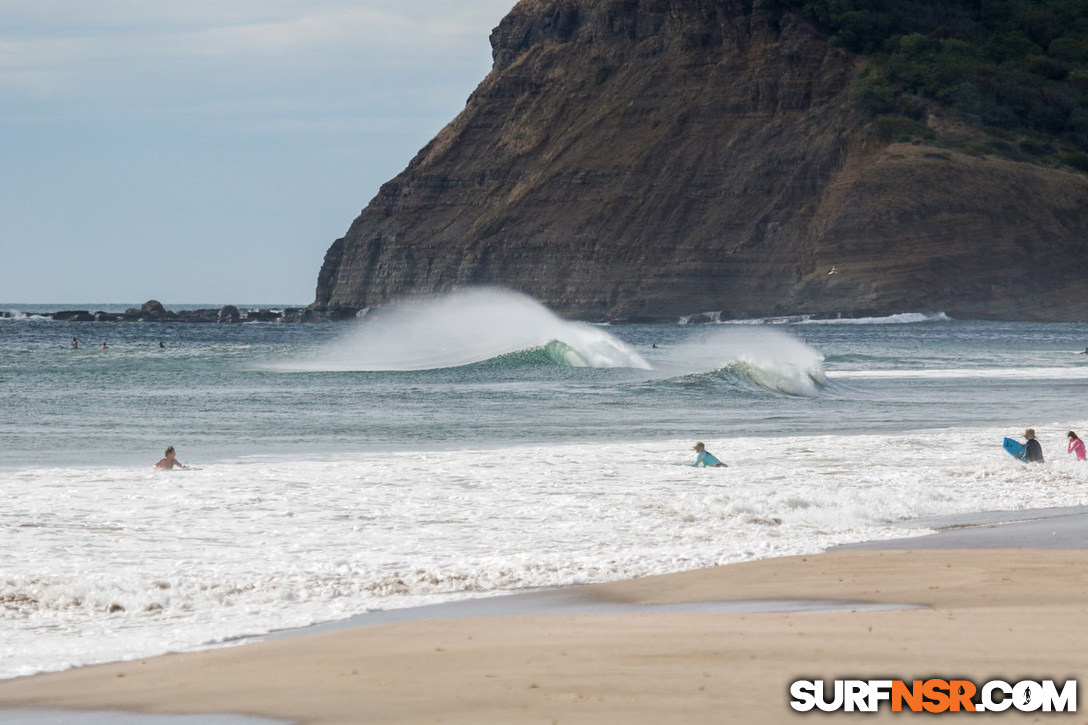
(210,151)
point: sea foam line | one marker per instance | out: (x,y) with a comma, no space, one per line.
(1022,373)
(106,564)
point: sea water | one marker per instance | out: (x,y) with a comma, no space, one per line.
(475,444)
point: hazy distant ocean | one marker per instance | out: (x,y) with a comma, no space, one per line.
(478,444)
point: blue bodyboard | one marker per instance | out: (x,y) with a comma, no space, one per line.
(1015,448)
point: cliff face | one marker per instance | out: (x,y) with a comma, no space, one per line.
(649,159)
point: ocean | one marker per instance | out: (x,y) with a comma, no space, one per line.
(475,444)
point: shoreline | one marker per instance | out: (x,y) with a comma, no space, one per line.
(683,647)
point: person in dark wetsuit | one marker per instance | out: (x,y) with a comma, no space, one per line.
(1033,452)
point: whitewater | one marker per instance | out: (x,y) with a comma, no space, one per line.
(475,444)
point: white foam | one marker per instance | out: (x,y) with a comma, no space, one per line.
(982,373)
(903,318)
(107,564)
(19,315)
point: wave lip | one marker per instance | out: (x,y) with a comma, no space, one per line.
(799,380)
(464,328)
(765,358)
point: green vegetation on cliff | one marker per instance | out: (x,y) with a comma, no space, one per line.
(646,160)
(1010,75)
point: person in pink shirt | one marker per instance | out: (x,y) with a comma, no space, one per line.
(1076,445)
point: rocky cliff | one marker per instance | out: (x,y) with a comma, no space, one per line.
(651,159)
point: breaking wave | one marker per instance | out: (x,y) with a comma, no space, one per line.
(903,318)
(765,358)
(466,328)
(500,329)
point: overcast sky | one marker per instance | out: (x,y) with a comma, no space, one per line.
(209,151)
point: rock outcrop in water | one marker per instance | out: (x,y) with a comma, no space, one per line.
(154,311)
(652,159)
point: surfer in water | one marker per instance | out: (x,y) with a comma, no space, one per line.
(1033,452)
(704,458)
(1076,445)
(169,461)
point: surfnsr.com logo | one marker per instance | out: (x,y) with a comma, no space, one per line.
(933,695)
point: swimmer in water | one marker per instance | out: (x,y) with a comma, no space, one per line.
(169,461)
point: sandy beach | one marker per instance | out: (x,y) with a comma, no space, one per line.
(1000,597)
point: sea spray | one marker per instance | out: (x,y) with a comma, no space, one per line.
(767,358)
(479,325)
(463,328)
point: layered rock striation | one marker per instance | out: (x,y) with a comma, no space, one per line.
(653,159)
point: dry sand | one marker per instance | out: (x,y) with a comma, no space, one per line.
(981,614)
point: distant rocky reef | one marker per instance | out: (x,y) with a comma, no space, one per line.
(154,311)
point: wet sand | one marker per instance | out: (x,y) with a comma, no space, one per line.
(985,598)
